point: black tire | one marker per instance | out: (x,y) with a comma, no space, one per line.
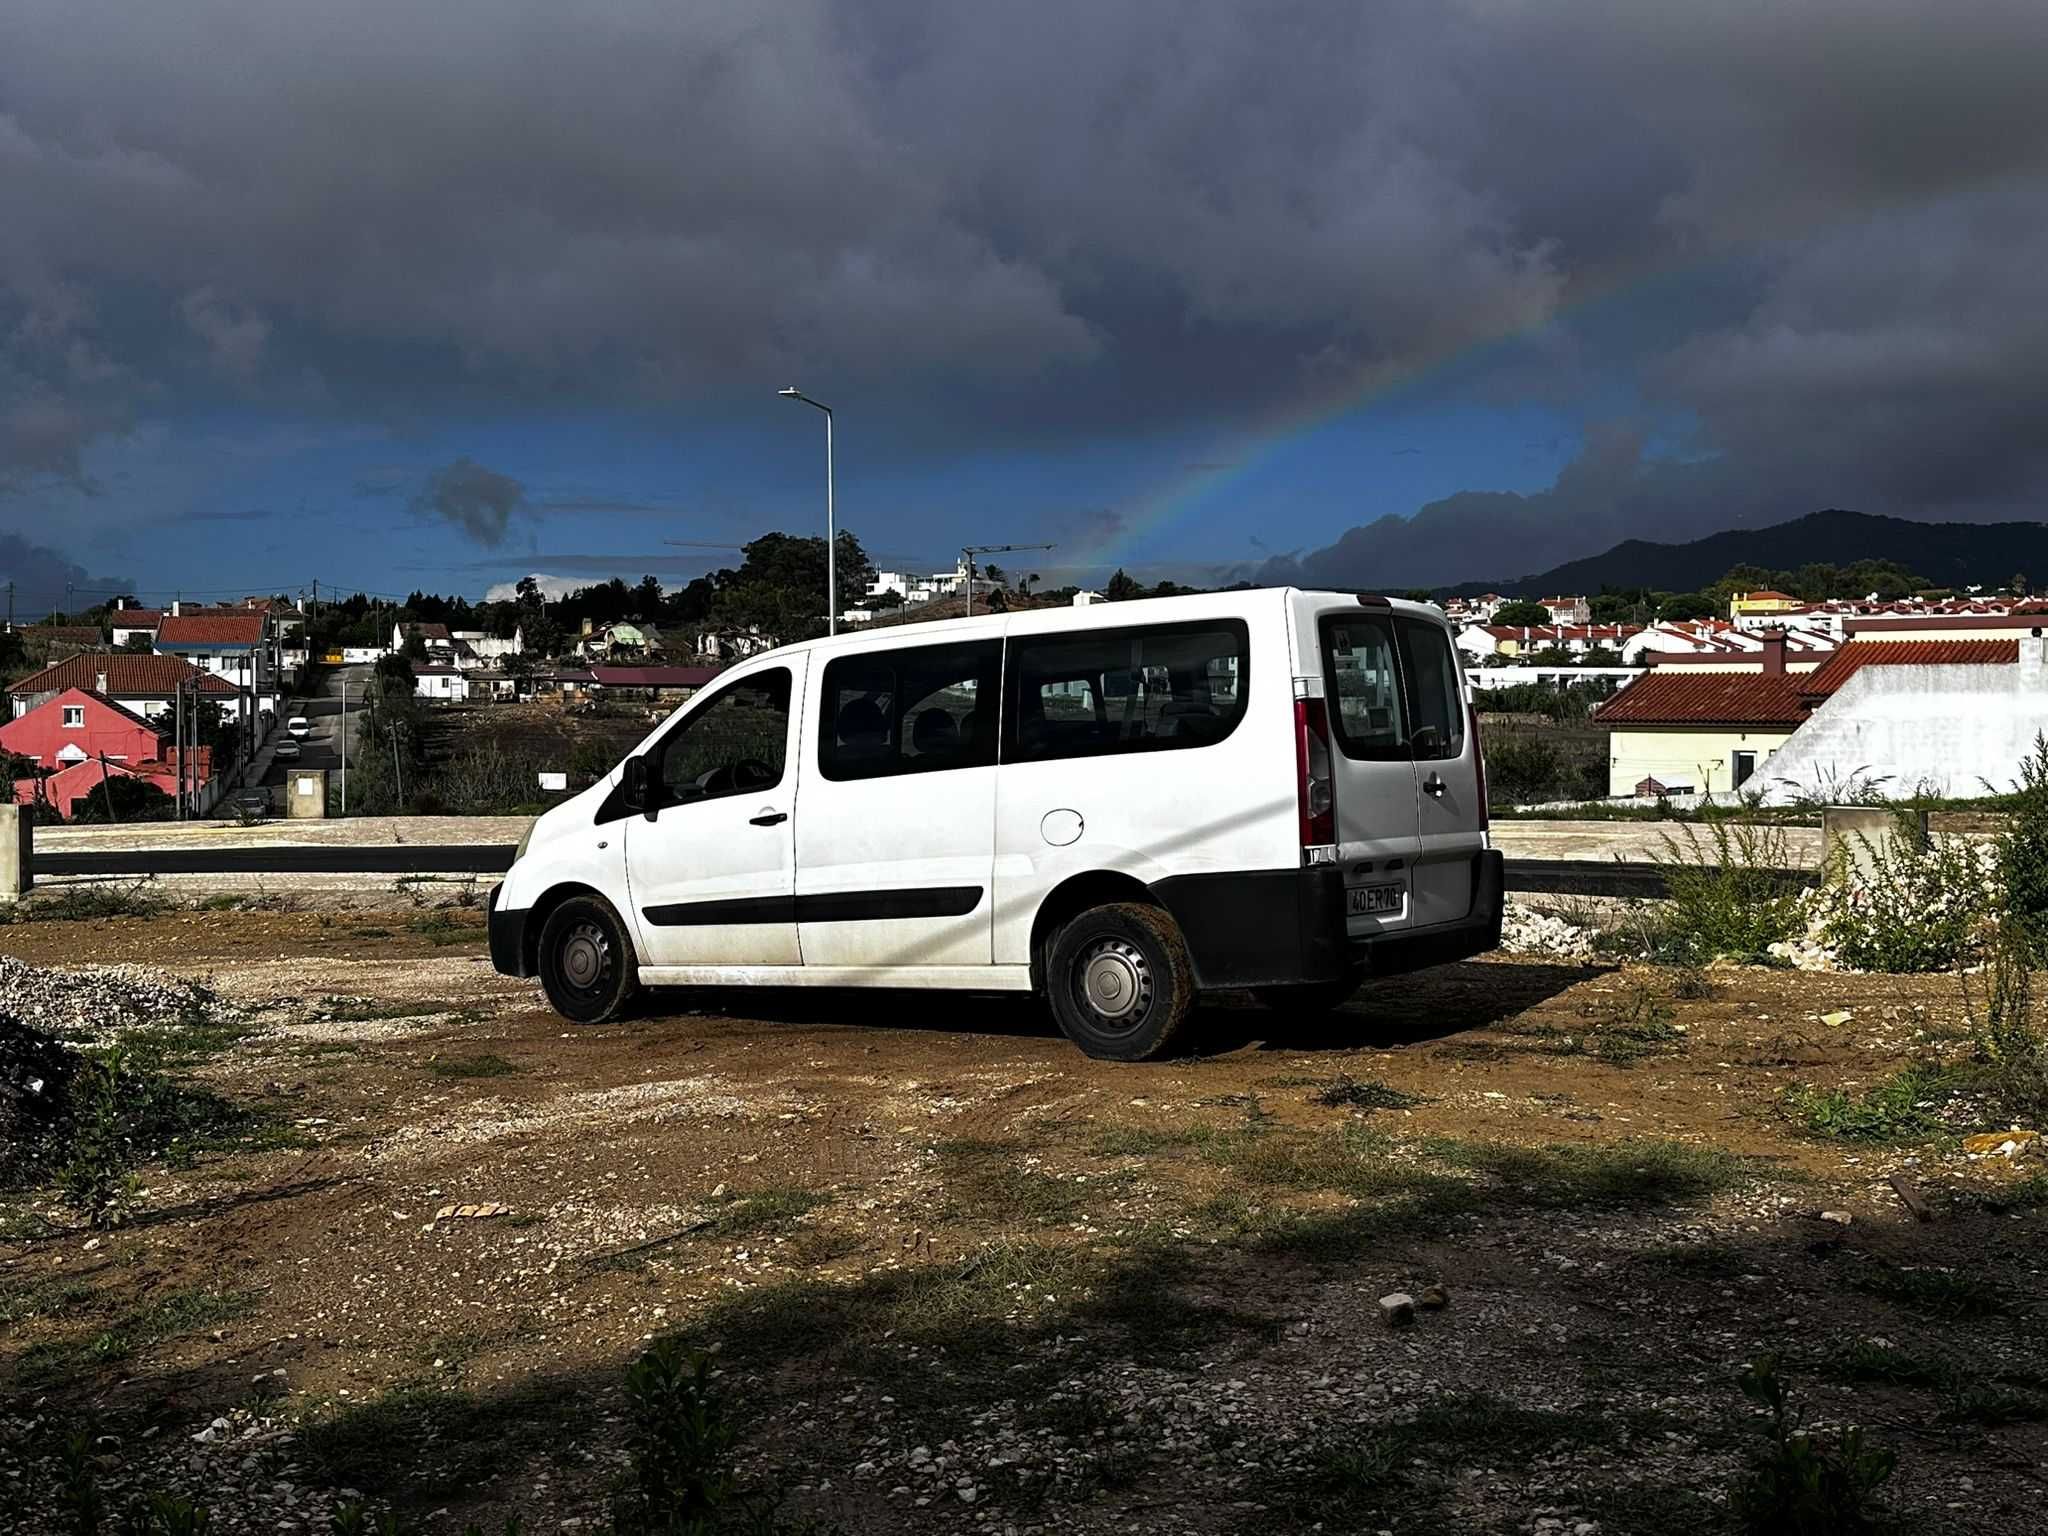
(1310,998)
(1120,982)
(587,965)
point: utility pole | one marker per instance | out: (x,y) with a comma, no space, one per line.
(831,524)
(178,736)
(969,551)
(344,743)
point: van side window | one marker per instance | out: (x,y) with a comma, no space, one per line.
(1436,694)
(918,709)
(1154,689)
(1363,687)
(735,745)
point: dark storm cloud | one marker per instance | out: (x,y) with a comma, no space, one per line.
(43,580)
(479,501)
(1060,217)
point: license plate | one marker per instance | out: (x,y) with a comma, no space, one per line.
(1376,900)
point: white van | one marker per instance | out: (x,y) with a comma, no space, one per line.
(1118,806)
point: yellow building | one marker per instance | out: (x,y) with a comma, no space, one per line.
(1694,731)
(1761,604)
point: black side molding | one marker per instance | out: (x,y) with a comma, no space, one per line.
(830,907)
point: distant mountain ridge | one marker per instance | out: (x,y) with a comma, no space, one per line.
(1946,554)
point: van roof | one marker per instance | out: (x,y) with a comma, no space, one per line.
(1138,610)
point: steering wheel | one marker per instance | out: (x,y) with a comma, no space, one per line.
(752,773)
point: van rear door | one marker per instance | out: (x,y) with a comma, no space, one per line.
(1452,819)
(1375,780)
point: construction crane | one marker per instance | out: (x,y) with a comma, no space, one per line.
(969,551)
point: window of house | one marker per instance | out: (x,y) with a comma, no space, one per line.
(737,744)
(74,716)
(919,709)
(1096,692)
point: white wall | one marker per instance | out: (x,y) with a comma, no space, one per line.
(1955,730)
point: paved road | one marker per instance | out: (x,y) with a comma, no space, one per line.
(321,748)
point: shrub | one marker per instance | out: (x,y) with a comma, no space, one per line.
(2009,1041)
(1729,894)
(1805,1485)
(2022,852)
(95,1179)
(1905,906)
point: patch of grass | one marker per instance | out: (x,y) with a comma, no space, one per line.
(1887,1365)
(485,1065)
(366,1010)
(1698,1261)
(1904,1107)
(51,1362)
(369,933)
(1936,1292)
(52,1296)
(1366,1094)
(226,901)
(418,1444)
(1993,1406)
(1616,1175)
(2028,1194)
(1142,1141)
(987,1180)
(87,904)
(765,1211)
(817,1246)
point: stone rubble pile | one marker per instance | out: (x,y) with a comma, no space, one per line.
(101,999)
(1525,931)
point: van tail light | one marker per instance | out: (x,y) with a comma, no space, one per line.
(1478,760)
(1318,788)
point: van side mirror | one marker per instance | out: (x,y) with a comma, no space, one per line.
(634,787)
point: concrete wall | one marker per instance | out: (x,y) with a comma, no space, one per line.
(1702,756)
(1950,730)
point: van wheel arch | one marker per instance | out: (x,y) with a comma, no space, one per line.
(553,897)
(1072,897)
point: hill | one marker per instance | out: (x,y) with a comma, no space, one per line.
(1947,554)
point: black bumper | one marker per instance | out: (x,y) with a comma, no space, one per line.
(1473,935)
(508,939)
(1262,928)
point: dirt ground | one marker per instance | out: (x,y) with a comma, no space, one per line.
(957,1276)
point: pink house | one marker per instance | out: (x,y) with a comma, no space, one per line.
(71,737)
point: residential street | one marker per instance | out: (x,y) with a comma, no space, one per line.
(323,748)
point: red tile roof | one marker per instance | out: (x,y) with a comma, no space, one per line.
(69,634)
(1708,698)
(654,677)
(1852,658)
(211,629)
(135,618)
(128,674)
(1765,596)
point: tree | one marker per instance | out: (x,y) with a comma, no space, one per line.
(2018,585)
(779,589)
(1521,613)
(1121,588)
(647,599)
(118,797)
(139,642)
(884,601)
(1676,607)
(415,647)
(996,574)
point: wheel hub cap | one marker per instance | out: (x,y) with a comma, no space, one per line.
(1115,979)
(583,957)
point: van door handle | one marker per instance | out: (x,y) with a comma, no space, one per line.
(767,818)
(1433,785)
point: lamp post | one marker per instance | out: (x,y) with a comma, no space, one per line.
(831,527)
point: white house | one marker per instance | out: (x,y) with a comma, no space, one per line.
(441,682)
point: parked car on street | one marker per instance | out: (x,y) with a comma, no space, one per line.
(298,727)
(1275,790)
(286,751)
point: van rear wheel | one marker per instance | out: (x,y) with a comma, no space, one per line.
(587,965)
(1120,982)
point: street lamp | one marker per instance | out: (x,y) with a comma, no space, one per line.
(831,528)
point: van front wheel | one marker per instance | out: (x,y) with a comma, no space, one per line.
(1120,982)
(587,966)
